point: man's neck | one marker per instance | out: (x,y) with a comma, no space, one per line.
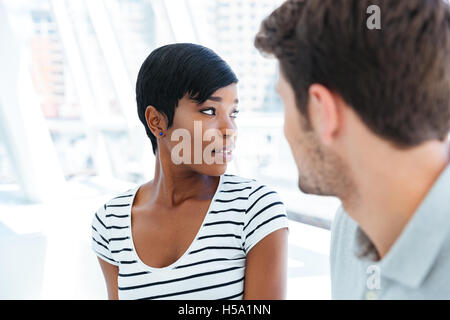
(391,190)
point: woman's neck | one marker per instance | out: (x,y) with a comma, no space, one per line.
(174,184)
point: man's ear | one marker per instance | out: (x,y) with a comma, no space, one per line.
(156,121)
(324,113)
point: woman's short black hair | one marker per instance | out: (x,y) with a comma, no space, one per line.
(172,71)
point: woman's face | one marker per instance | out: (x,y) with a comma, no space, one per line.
(202,137)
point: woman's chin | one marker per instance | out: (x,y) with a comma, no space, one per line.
(213,169)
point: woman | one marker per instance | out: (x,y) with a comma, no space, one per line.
(193,232)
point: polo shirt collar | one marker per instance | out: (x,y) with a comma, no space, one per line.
(411,257)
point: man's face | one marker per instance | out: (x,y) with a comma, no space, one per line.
(320,170)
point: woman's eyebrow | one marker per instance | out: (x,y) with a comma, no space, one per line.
(219,99)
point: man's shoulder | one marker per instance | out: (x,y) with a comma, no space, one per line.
(345,268)
(343,225)
(343,235)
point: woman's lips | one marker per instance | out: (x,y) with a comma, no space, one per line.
(226,153)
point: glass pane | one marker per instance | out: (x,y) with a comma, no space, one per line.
(97,73)
(40,39)
(133,23)
(7,171)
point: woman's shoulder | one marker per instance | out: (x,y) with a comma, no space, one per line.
(264,211)
(250,187)
(119,202)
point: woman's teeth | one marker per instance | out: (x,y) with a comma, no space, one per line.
(223,151)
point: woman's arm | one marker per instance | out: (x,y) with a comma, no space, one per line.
(266,268)
(110,272)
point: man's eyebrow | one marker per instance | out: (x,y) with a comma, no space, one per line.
(219,99)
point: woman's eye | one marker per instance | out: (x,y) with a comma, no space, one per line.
(234,113)
(210,111)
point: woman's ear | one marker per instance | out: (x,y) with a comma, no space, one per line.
(156,121)
(324,113)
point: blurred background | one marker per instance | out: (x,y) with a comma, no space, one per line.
(70,138)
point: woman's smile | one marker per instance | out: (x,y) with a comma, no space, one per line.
(226,153)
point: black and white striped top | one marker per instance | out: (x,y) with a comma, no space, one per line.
(242,212)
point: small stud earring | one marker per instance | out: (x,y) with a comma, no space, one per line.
(160,133)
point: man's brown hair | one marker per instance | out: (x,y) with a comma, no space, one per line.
(397,78)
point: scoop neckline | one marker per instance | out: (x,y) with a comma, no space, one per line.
(194,241)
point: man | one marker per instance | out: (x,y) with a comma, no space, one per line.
(367,118)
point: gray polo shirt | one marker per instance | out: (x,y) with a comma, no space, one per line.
(416,267)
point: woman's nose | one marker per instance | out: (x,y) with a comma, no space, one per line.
(227,126)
